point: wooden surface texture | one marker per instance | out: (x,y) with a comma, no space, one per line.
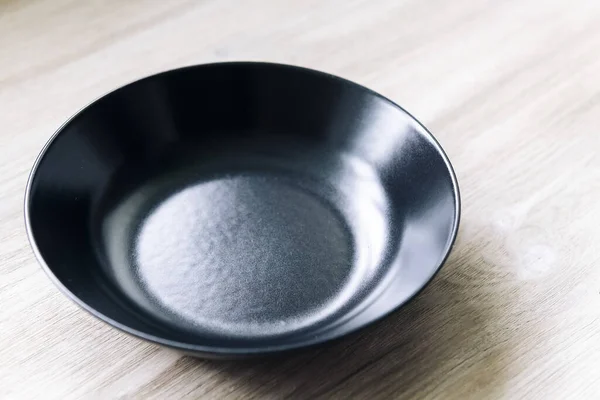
(510,88)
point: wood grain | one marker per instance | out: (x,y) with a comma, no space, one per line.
(510,88)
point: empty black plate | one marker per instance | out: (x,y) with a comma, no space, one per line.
(241,208)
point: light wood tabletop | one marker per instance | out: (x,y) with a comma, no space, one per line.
(510,88)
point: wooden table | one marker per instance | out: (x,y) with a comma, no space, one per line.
(510,88)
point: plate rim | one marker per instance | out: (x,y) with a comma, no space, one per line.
(191,348)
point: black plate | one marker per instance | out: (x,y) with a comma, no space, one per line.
(241,208)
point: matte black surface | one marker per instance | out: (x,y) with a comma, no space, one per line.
(240,208)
